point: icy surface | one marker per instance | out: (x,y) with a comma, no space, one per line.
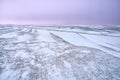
(59,52)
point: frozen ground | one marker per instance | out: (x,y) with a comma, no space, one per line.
(59,52)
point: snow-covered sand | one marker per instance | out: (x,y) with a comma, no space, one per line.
(59,52)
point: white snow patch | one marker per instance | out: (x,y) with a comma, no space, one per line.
(85,51)
(107,41)
(22,53)
(9,35)
(75,39)
(68,65)
(25,37)
(44,35)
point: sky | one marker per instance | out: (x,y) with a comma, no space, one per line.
(60,12)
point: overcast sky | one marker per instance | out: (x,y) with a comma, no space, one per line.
(60,11)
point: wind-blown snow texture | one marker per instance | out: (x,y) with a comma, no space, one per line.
(59,52)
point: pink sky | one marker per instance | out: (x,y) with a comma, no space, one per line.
(59,12)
